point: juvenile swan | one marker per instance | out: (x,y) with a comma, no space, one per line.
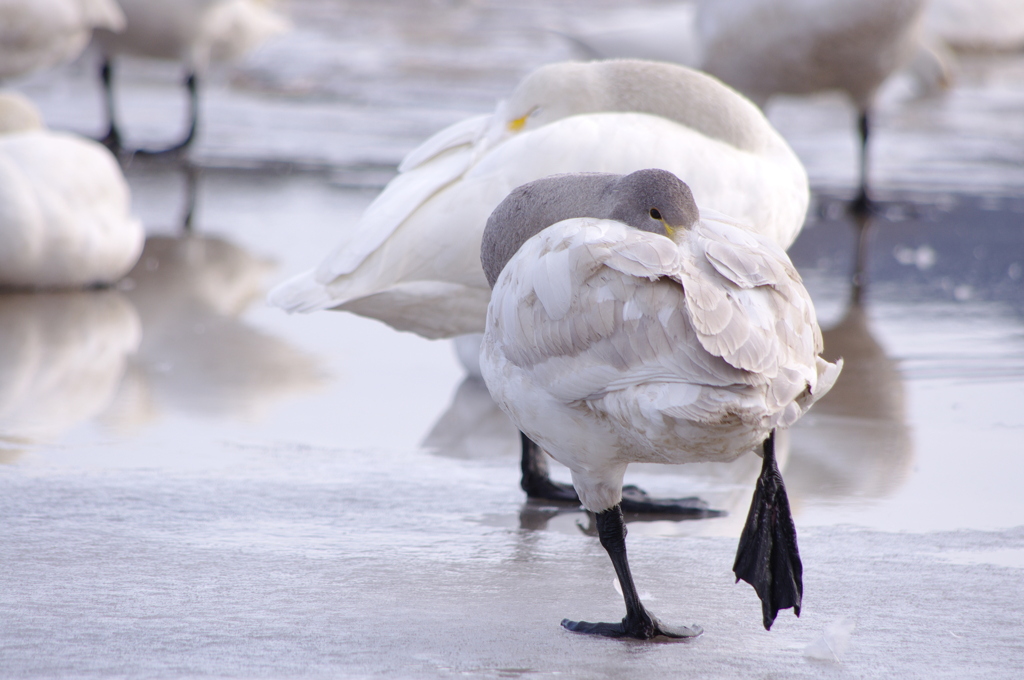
(647,333)
(414,261)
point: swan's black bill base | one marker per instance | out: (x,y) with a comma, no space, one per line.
(767,557)
(538,485)
(639,624)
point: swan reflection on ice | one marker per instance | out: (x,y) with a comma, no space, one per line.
(62,357)
(197,355)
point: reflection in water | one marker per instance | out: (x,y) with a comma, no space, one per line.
(474,428)
(196,356)
(856,442)
(62,356)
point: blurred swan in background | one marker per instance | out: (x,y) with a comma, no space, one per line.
(769,47)
(413,261)
(976,25)
(66,220)
(193,32)
(38,34)
(62,357)
(196,354)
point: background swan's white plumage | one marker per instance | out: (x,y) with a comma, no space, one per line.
(37,34)
(192,31)
(65,208)
(609,345)
(976,24)
(414,259)
(766,47)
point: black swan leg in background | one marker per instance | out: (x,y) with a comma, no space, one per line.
(192,86)
(535,480)
(112,140)
(538,485)
(767,557)
(862,204)
(638,623)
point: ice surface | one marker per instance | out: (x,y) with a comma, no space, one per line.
(195,485)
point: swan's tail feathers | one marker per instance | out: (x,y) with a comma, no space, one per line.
(433,309)
(301,293)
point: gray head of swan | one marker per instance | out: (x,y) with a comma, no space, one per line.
(650,200)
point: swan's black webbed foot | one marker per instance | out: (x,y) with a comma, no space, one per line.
(637,630)
(636,501)
(639,624)
(767,557)
(538,485)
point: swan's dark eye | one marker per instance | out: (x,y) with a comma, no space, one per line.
(655,214)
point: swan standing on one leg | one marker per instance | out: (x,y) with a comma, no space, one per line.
(414,262)
(194,32)
(65,208)
(643,332)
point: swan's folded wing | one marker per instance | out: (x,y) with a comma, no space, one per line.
(399,199)
(747,302)
(463,133)
(622,323)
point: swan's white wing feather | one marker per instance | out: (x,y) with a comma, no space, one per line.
(626,322)
(401,197)
(463,133)
(630,324)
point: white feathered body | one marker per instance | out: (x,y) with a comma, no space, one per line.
(608,345)
(193,31)
(766,47)
(37,34)
(415,260)
(65,212)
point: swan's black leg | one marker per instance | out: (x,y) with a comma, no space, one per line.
(192,86)
(639,623)
(535,480)
(112,140)
(767,557)
(862,204)
(538,485)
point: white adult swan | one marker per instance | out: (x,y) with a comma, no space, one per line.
(194,32)
(652,335)
(38,34)
(414,259)
(66,220)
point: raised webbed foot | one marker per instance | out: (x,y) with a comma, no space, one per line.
(767,557)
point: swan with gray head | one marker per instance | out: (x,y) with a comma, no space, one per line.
(626,325)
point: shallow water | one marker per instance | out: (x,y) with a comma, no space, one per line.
(194,484)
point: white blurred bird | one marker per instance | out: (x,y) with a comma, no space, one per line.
(979,25)
(413,261)
(627,326)
(66,219)
(769,47)
(38,34)
(193,32)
